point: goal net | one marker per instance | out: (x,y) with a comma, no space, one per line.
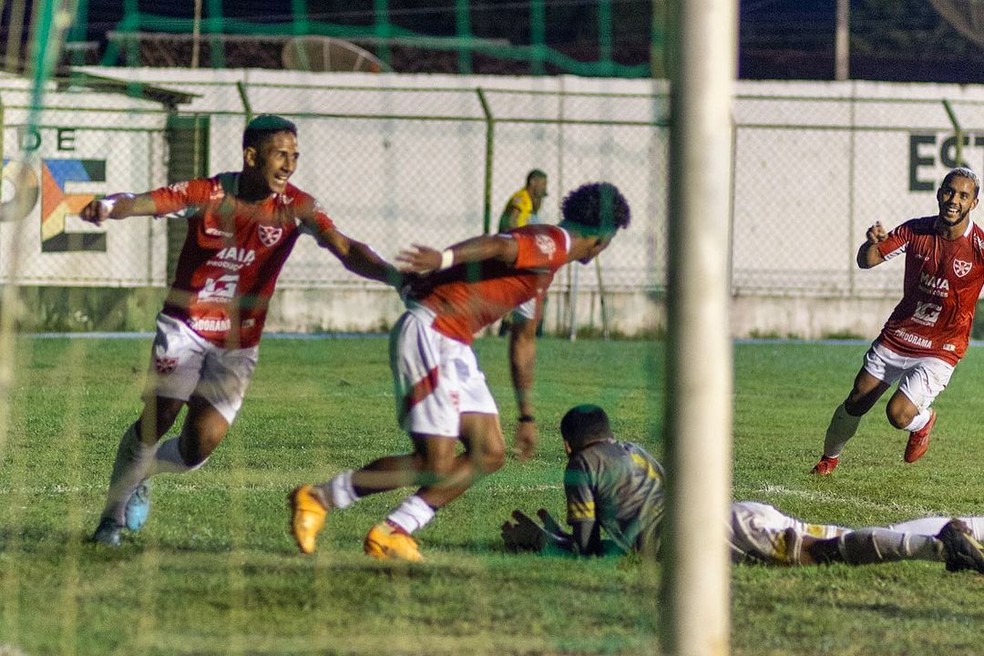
(417,121)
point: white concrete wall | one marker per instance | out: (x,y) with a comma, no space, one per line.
(815,164)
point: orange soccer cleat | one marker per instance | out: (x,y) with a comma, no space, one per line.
(386,541)
(919,440)
(826,466)
(307,517)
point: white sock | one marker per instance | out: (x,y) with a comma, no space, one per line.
(842,428)
(919,421)
(339,490)
(879,545)
(133,459)
(168,460)
(412,514)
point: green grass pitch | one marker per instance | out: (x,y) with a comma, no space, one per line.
(215,571)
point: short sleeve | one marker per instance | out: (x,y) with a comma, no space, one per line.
(540,247)
(577,489)
(895,242)
(314,217)
(184,195)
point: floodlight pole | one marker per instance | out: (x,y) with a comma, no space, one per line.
(196,31)
(696,566)
(842,52)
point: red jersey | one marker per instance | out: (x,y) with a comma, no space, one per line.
(943,280)
(469,297)
(233,254)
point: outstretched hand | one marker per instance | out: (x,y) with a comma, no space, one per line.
(876,233)
(96,211)
(524,445)
(551,525)
(419,259)
(524,534)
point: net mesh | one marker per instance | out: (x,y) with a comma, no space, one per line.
(966,16)
(395,160)
(537,37)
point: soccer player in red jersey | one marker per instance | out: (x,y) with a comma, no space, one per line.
(441,394)
(241,228)
(928,332)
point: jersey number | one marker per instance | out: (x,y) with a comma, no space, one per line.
(927,313)
(222,288)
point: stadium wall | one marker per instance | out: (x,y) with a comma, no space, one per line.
(403,158)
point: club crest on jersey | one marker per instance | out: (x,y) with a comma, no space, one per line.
(270,235)
(961,268)
(546,245)
(165,365)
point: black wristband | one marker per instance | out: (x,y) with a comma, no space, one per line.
(525,419)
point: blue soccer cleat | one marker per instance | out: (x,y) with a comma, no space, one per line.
(138,507)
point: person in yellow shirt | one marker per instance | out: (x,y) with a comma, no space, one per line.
(524,205)
(523,209)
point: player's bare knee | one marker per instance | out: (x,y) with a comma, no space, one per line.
(196,446)
(438,464)
(898,418)
(492,460)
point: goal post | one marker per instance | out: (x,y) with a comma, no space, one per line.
(696,570)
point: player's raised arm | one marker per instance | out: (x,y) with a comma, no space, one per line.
(359,258)
(868,253)
(118,206)
(423,259)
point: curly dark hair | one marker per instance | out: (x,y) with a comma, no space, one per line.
(583,425)
(597,208)
(265,126)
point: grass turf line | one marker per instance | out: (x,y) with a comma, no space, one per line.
(215,572)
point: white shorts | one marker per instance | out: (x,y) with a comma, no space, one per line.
(435,378)
(524,311)
(758,532)
(183,364)
(920,379)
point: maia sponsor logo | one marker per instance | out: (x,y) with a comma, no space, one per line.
(239,255)
(935,286)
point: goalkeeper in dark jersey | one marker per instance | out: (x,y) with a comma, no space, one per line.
(617,487)
(609,484)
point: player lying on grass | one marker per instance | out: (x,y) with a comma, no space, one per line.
(441,394)
(242,226)
(617,487)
